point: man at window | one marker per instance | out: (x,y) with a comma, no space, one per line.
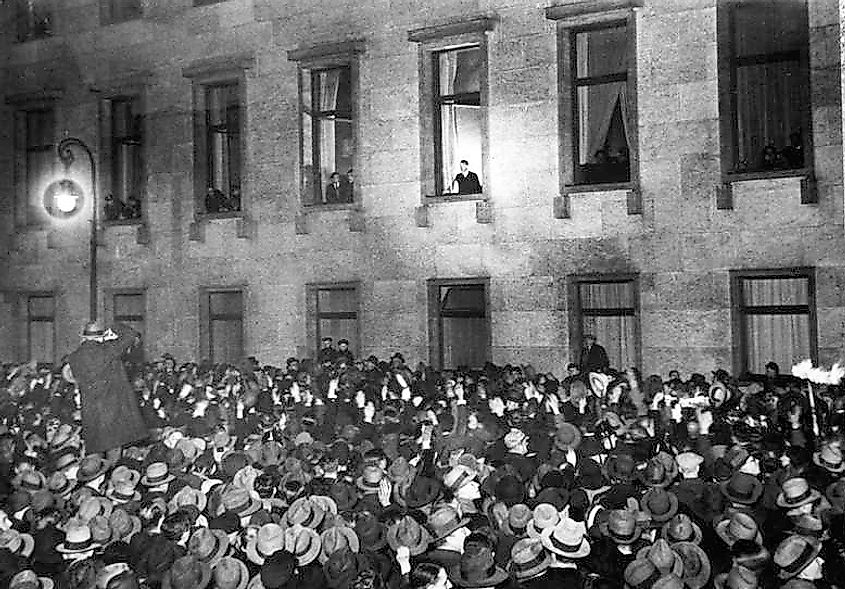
(334,192)
(593,356)
(347,189)
(466,182)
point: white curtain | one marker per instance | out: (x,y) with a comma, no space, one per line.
(448,118)
(329,84)
(615,333)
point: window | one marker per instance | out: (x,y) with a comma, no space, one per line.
(225,336)
(223,148)
(600,112)
(41,323)
(33,19)
(775,318)
(39,159)
(454,139)
(117,11)
(127,165)
(130,308)
(460,323)
(336,314)
(328,137)
(608,309)
(457,118)
(765,83)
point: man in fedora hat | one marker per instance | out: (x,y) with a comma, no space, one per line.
(111,416)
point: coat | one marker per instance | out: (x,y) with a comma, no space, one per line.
(111,416)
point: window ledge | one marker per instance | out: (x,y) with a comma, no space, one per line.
(200,217)
(609,187)
(341,206)
(768,175)
(445,198)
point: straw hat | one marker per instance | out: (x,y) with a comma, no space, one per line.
(269,540)
(230,573)
(796,492)
(303,543)
(335,539)
(208,545)
(528,559)
(29,580)
(566,539)
(740,526)
(17,543)
(305,512)
(829,457)
(77,539)
(794,554)
(157,474)
(545,516)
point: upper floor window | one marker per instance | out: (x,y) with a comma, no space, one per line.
(125,200)
(220,154)
(328,134)
(33,19)
(765,87)
(117,11)
(37,160)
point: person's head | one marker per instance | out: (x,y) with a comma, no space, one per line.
(572,369)
(464,165)
(335,178)
(326,343)
(772,370)
(674,375)
(589,340)
(428,575)
(343,345)
(350,177)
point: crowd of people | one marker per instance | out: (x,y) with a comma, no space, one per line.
(349,473)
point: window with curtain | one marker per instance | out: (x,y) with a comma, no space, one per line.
(41,328)
(33,19)
(40,156)
(337,314)
(130,308)
(457,115)
(769,85)
(127,168)
(608,310)
(463,325)
(328,139)
(223,147)
(601,103)
(776,317)
(225,326)
(116,11)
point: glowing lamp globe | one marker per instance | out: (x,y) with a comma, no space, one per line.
(63,199)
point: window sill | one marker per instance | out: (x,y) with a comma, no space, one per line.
(768,175)
(340,206)
(608,187)
(441,198)
(214,216)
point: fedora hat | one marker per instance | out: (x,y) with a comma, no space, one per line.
(94,506)
(77,539)
(65,458)
(444,521)
(208,545)
(422,491)
(29,580)
(794,554)
(545,516)
(269,540)
(123,475)
(93,329)
(187,495)
(17,543)
(796,492)
(477,568)
(156,474)
(567,437)
(62,436)
(371,532)
(305,512)
(370,479)
(519,516)
(829,457)
(91,467)
(659,504)
(238,501)
(657,474)
(230,573)
(528,559)
(303,543)
(742,488)
(409,533)
(641,572)
(30,480)
(621,467)
(59,485)
(740,526)
(337,538)
(738,577)
(622,527)
(566,539)
(696,569)
(663,558)
(186,573)
(123,525)
(101,531)
(681,529)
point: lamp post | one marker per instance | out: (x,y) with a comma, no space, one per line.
(65,198)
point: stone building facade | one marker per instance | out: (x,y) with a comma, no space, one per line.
(652,223)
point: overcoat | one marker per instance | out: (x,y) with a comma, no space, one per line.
(111,416)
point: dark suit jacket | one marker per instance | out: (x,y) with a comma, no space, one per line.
(334,194)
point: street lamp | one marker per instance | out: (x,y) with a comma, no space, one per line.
(65,198)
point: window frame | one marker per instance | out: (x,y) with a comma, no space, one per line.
(107,13)
(32,33)
(30,319)
(314,315)
(111,294)
(577,314)
(739,311)
(432,41)
(108,144)
(728,110)
(206,344)
(435,318)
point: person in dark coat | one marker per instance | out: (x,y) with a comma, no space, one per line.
(111,417)
(593,356)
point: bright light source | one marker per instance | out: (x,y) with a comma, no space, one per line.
(66,202)
(64,199)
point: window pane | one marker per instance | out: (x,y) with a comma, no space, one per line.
(460,139)
(601,52)
(464,341)
(39,128)
(225,303)
(770,26)
(41,307)
(41,341)
(784,339)
(339,329)
(468,299)
(337,150)
(337,300)
(460,71)
(601,112)
(129,304)
(226,341)
(335,90)
(617,335)
(607,295)
(775,291)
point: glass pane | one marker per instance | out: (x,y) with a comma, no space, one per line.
(337,300)
(41,307)
(601,52)
(770,26)
(129,304)
(606,295)
(41,341)
(784,339)
(226,341)
(340,329)
(39,128)
(337,153)
(221,101)
(601,111)
(123,118)
(466,298)
(225,303)
(460,139)
(617,335)
(335,88)
(770,114)
(460,71)
(775,291)
(464,341)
